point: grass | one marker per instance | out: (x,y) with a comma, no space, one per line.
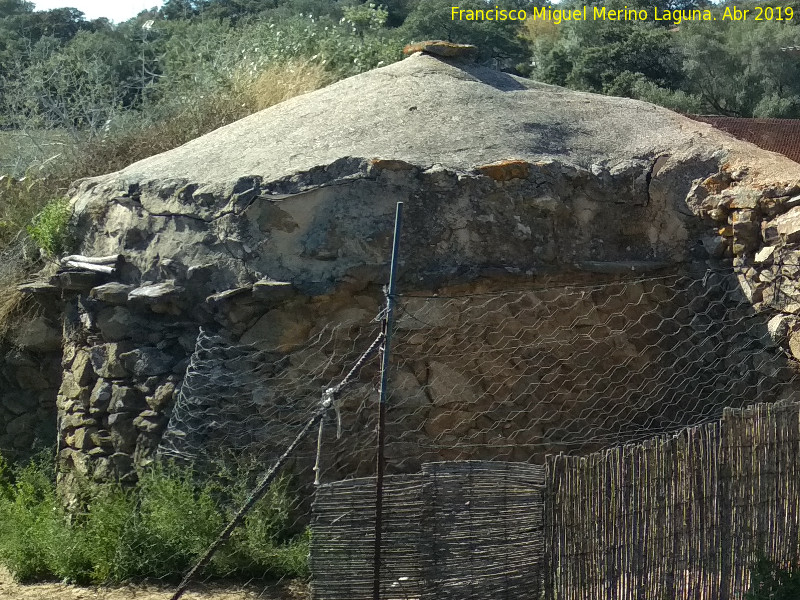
(176,121)
(158,529)
(21,151)
(49,228)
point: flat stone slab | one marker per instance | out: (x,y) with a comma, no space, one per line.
(441,48)
(112,293)
(228,295)
(77,280)
(38,288)
(786,225)
(271,290)
(156,293)
(426,111)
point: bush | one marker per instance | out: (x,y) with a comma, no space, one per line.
(157,529)
(50,228)
(27,520)
(770,581)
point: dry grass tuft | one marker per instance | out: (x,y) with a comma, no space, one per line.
(277,83)
(13,271)
(247,93)
(10,307)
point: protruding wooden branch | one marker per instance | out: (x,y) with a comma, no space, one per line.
(91,260)
(95,268)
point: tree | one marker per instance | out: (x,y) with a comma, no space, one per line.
(499,42)
(15,7)
(739,69)
(76,86)
(592,55)
(180,9)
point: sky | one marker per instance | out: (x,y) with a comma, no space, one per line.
(114,10)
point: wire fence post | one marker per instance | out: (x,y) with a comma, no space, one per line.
(387,336)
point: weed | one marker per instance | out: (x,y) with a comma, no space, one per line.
(156,529)
(50,228)
(770,581)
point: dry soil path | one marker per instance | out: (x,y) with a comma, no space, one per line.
(10,590)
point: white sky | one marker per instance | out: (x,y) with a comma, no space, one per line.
(114,10)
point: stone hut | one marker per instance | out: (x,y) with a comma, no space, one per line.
(270,229)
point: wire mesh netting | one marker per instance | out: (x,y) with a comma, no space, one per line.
(509,375)
(517,375)
(506,376)
(245,400)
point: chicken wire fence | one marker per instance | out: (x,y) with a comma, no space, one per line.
(518,375)
(494,376)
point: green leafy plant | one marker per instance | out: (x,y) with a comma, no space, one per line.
(158,528)
(770,581)
(50,228)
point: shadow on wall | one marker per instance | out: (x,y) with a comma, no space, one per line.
(509,375)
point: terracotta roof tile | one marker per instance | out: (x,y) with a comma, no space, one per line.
(777,135)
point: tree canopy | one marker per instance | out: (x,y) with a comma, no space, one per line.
(60,70)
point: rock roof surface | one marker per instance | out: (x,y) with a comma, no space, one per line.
(498,173)
(427,111)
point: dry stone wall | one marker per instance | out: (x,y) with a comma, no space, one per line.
(273,228)
(573,368)
(481,372)
(279,262)
(326,226)
(758,230)
(30,375)
(274,263)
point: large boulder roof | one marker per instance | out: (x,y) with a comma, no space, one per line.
(498,173)
(429,111)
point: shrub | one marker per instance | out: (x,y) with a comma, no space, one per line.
(50,228)
(28,520)
(21,199)
(159,528)
(770,581)
(175,522)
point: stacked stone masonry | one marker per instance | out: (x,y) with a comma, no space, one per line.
(759,231)
(127,339)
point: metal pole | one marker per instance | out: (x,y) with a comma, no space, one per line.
(387,337)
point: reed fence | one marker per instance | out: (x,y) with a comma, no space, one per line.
(682,517)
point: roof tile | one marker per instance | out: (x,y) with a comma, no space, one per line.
(776,135)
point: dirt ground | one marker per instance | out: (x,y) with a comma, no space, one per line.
(10,590)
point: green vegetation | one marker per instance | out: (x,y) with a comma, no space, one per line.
(157,529)
(49,228)
(734,68)
(769,581)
